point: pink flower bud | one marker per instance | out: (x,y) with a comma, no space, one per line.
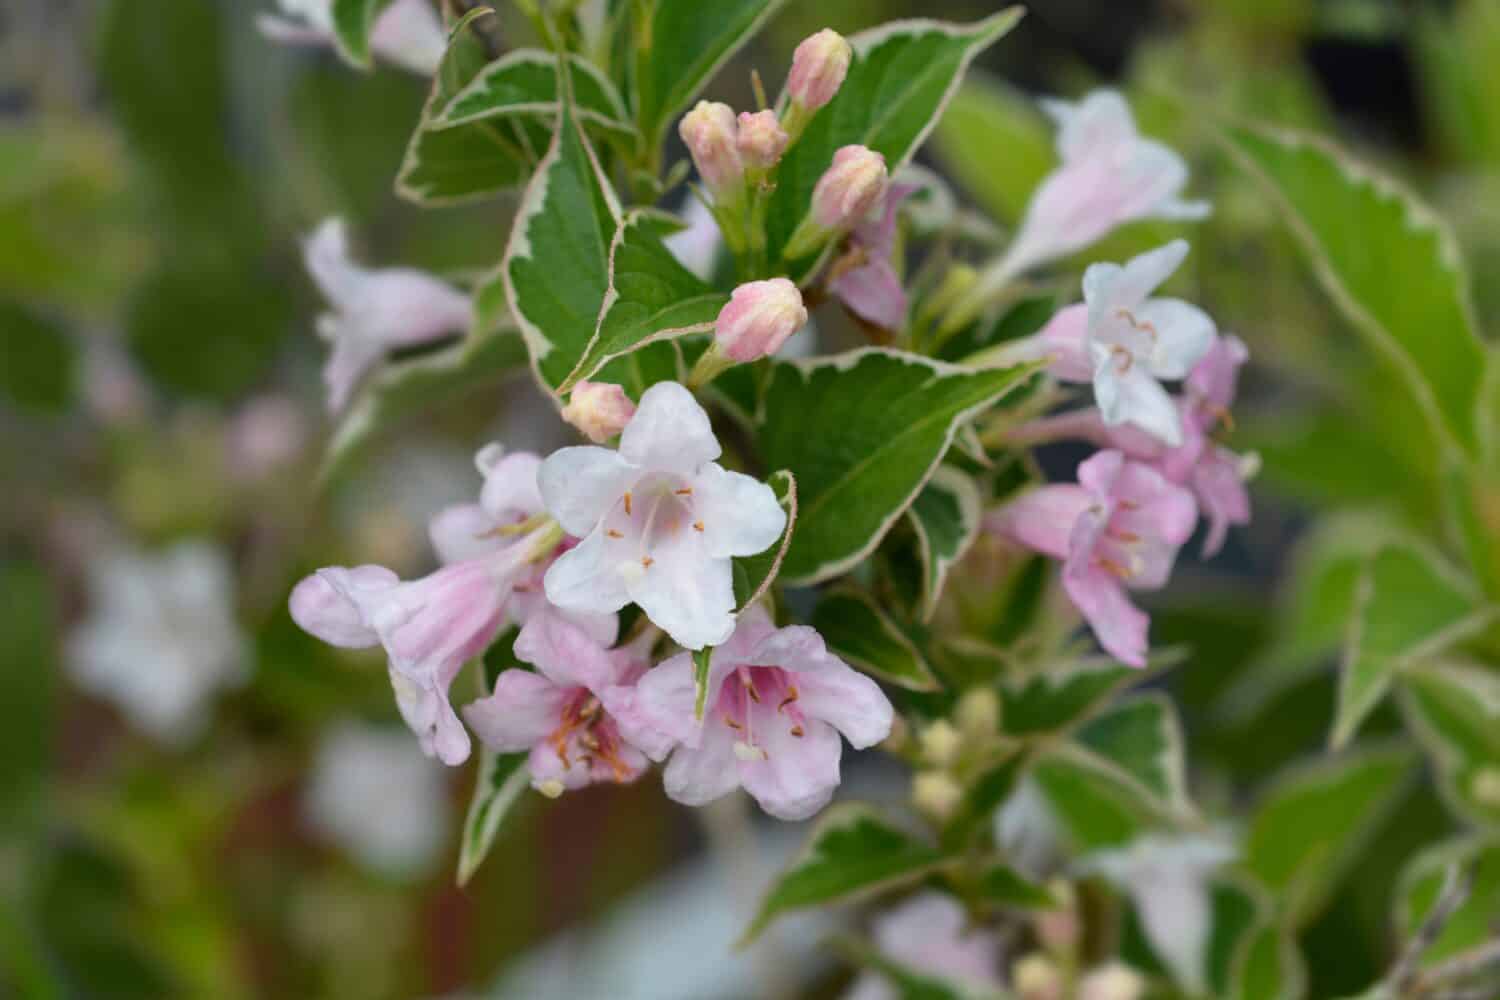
(759,318)
(599,409)
(849,188)
(709,132)
(761,139)
(818,69)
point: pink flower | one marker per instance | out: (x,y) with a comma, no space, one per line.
(710,133)
(776,703)
(429,627)
(1119,527)
(761,140)
(374,311)
(930,934)
(872,290)
(759,317)
(408,33)
(660,521)
(562,713)
(818,69)
(849,188)
(1215,474)
(600,410)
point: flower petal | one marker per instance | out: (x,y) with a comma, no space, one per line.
(797,775)
(1221,491)
(1184,334)
(320,604)
(565,654)
(585,579)
(460,532)
(670,432)
(524,709)
(1134,397)
(579,485)
(874,294)
(739,514)
(1086,128)
(326,255)
(1108,287)
(510,491)
(348,362)
(1119,625)
(849,701)
(685,591)
(1063,341)
(1042,519)
(402,307)
(697,776)
(666,699)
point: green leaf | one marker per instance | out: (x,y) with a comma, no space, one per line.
(852,852)
(1417,891)
(451,166)
(996,144)
(404,389)
(352,21)
(502,778)
(1061,697)
(901,77)
(1387,261)
(651,297)
(1097,803)
(1454,710)
(753,575)
(946,517)
(687,41)
(1310,824)
(856,628)
(702,662)
(524,83)
(1003,886)
(40,361)
(1143,737)
(556,266)
(1408,606)
(863,432)
(28,687)
(1238,908)
(1269,967)
(985,793)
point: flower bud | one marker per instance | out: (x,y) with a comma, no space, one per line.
(941,743)
(849,188)
(978,713)
(818,69)
(1036,977)
(761,140)
(936,795)
(758,319)
(709,132)
(1112,982)
(599,409)
(1059,929)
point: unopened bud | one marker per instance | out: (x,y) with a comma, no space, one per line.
(850,188)
(1036,977)
(1058,929)
(818,69)
(1112,982)
(936,795)
(709,132)
(761,140)
(758,319)
(599,409)
(1485,787)
(941,743)
(978,713)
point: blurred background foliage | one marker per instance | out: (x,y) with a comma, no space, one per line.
(159,160)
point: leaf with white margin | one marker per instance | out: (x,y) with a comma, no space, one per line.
(901,78)
(651,297)
(1098,803)
(1312,820)
(456,166)
(1454,711)
(1409,605)
(852,852)
(946,517)
(524,82)
(352,21)
(402,389)
(556,265)
(863,432)
(1142,735)
(1389,263)
(502,778)
(1421,882)
(753,575)
(1268,965)
(689,40)
(855,628)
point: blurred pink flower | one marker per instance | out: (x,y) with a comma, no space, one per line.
(872,290)
(1119,527)
(776,703)
(407,33)
(929,934)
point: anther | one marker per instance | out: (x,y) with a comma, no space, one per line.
(686,491)
(646,561)
(627,504)
(612,533)
(798,732)
(791,696)
(697,525)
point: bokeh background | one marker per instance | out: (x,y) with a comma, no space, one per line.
(274,833)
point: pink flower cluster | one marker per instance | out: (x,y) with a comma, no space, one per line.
(558,547)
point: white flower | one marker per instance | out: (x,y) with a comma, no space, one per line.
(161,636)
(660,520)
(1167,879)
(374,794)
(1134,340)
(374,311)
(407,33)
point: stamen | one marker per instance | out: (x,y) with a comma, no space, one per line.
(697,525)
(1115,569)
(729,721)
(791,696)
(1128,537)
(798,732)
(612,533)
(589,711)
(748,752)
(627,503)
(686,491)
(1128,317)
(646,561)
